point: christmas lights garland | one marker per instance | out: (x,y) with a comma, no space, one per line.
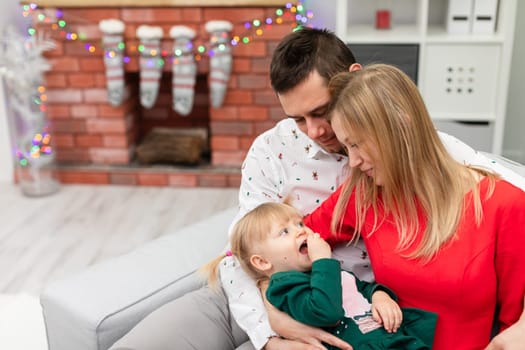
(255,27)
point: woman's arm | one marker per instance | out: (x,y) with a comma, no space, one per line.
(320,220)
(510,269)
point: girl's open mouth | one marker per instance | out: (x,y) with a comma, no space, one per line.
(303,249)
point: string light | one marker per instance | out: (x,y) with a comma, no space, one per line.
(40,146)
(41,142)
(295,11)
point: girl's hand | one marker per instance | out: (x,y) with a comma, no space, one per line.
(317,247)
(386,311)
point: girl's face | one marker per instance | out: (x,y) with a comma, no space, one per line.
(285,247)
(359,157)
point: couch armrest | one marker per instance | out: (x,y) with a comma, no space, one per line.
(93,309)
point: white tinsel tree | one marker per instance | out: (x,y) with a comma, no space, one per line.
(22,68)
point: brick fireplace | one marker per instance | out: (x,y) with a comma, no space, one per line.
(95,142)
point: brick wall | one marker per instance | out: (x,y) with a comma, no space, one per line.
(89,131)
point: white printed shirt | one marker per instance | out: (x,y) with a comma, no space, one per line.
(285,164)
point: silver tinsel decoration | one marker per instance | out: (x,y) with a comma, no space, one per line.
(22,68)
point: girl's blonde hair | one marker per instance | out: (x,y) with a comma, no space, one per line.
(247,235)
(383,106)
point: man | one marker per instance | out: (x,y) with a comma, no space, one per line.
(299,161)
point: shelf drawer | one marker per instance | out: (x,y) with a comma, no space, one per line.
(461,79)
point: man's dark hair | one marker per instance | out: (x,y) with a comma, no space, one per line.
(305,50)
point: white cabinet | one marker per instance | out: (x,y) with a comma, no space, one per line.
(462,77)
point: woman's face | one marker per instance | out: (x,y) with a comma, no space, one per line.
(362,153)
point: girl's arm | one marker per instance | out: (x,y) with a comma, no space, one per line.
(314,299)
(298,335)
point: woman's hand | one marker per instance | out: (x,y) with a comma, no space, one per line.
(386,311)
(512,338)
(298,335)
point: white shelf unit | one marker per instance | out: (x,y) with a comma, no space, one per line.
(462,77)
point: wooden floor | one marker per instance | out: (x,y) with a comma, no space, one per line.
(51,237)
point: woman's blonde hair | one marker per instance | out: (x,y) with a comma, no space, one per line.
(384,107)
(247,235)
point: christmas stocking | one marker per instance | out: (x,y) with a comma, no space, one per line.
(112,30)
(150,63)
(220,59)
(184,69)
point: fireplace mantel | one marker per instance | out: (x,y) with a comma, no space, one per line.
(155,3)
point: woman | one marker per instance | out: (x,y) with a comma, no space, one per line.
(444,237)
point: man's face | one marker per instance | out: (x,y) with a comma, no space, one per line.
(307,104)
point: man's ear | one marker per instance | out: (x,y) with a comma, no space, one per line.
(354,67)
(260,263)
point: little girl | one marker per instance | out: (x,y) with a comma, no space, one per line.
(296,274)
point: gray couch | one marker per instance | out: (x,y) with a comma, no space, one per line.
(93,309)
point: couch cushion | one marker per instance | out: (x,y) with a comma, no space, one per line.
(91,310)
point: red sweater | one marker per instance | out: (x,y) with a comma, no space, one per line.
(482,268)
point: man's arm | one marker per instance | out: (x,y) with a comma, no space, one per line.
(465,154)
(261,178)
(245,301)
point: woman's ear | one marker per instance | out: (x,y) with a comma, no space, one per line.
(260,263)
(354,67)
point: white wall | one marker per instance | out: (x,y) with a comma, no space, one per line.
(10,13)
(514,136)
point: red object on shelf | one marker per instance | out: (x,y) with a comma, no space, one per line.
(383,19)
